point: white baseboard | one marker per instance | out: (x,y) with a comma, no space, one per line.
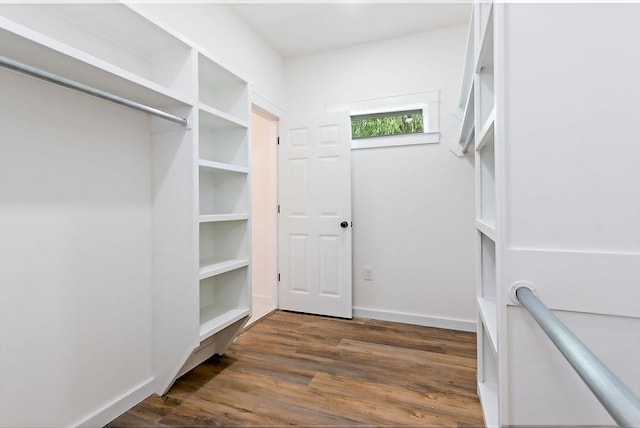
(261,306)
(428,321)
(118,406)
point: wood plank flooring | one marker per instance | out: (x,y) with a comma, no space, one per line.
(304,370)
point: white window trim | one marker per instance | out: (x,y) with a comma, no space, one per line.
(428,102)
(396,140)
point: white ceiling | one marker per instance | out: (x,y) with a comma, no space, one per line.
(295,29)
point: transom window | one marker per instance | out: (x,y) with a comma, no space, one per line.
(387,124)
(396,120)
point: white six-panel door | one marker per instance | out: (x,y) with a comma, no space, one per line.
(314,242)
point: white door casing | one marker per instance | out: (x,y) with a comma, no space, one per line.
(314,249)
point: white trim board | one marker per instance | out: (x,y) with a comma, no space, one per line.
(416,319)
(118,406)
(265,106)
(261,306)
(371,105)
(396,140)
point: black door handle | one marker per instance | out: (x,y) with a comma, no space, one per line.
(344,224)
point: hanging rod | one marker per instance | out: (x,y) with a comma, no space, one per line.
(71,84)
(620,401)
(469,139)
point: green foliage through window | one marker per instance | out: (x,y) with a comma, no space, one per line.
(385,124)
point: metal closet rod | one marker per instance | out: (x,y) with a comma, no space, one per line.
(615,396)
(71,84)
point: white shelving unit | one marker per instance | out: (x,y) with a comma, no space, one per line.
(480,112)
(535,225)
(223,221)
(201,195)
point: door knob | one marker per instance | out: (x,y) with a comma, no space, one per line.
(344,224)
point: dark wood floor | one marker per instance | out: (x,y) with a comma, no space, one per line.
(303,370)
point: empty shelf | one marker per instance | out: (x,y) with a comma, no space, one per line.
(210,267)
(213,319)
(487,227)
(223,166)
(222,217)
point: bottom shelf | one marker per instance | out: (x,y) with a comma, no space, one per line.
(224,299)
(213,319)
(488,393)
(216,343)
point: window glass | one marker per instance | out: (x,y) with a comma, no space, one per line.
(385,124)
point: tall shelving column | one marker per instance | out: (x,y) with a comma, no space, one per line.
(486,214)
(223,222)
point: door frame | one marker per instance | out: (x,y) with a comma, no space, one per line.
(270,111)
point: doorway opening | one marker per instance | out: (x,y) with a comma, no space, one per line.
(264,200)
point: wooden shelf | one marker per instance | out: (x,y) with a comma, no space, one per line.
(222,217)
(488,310)
(487,227)
(486,135)
(212,267)
(213,118)
(488,394)
(223,166)
(214,319)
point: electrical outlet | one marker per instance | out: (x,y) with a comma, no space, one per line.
(368,273)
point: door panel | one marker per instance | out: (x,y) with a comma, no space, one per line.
(315,197)
(298,263)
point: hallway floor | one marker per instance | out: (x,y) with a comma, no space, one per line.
(304,370)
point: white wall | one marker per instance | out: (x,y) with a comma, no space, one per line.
(232,43)
(75,254)
(571,201)
(413,209)
(264,220)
